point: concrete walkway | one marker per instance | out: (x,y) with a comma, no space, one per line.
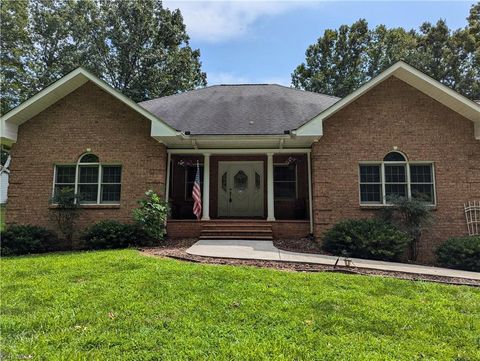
(265,250)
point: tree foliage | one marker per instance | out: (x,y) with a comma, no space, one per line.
(137,46)
(343,59)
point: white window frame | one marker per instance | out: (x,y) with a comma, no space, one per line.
(77,179)
(296,182)
(407,164)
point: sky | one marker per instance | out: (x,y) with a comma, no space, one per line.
(264,41)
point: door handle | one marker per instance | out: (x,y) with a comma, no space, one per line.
(230,196)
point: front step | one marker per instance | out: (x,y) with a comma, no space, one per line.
(256,230)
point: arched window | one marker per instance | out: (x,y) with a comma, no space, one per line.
(88,158)
(92,181)
(396,176)
(394,157)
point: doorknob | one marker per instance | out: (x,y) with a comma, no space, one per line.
(230,196)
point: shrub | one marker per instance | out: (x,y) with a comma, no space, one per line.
(366,238)
(113,234)
(66,211)
(24,239)
(412,215)
(461,253)
(152,214)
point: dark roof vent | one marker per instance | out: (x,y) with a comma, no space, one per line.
(187,132)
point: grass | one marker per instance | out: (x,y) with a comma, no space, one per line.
(120,305)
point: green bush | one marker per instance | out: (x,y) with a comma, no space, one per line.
(112,234)
(24,239)
(366,238)
(460,253)
(151,215)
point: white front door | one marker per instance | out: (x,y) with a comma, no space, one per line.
(240,189)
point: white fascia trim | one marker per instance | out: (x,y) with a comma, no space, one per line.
(60,89)
(238,151)
(409,74)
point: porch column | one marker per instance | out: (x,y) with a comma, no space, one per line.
(167,181)
(270,208)
(310,197)
(206,187)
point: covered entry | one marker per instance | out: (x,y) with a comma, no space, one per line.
(245,184)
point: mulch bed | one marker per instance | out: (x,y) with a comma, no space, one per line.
(176,249)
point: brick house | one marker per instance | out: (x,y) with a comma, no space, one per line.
(275,161)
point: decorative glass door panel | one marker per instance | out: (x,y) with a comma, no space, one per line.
(241,189)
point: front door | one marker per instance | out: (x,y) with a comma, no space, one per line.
(240,189)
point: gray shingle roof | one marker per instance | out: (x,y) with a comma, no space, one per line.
(239,109)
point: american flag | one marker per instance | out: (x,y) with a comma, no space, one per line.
(197,194)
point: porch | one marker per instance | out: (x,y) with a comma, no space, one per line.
(247,193)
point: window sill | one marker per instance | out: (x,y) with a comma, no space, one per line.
(381,206)
(92,206)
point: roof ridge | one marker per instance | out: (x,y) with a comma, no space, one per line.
(306,91)
(181,93)
(238,85)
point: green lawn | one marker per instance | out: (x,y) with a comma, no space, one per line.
(120,305)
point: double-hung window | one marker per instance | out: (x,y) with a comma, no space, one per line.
(395,176)
(285,181)
(92,181)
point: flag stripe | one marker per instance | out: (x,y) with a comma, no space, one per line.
(197,194)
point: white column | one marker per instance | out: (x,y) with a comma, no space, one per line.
(167,181)
(206,187)
(271,210)
(310,197)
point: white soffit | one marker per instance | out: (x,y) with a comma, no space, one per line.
(61,88)
(434,89)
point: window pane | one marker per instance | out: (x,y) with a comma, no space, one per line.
(111,174)
(423,192)
(394,157)
(395,174)
(370,193)
(284,190)
(89,158)
(88,192)
(88,174)
(395,190)
(111,193)
(421,173)
(284,173)
(60,187)
(65,174)
(369,173)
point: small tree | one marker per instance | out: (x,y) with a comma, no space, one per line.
(412,215)
(152,214)
(66,211)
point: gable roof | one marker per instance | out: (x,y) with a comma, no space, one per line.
(239,109)
(59,89)
(431,87)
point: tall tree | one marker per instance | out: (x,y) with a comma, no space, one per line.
(451,57)
(137,46)
(14,46)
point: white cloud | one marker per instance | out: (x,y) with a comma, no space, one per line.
(217,21)
(214,78)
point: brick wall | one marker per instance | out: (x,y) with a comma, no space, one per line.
(395,114)
(86,118)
